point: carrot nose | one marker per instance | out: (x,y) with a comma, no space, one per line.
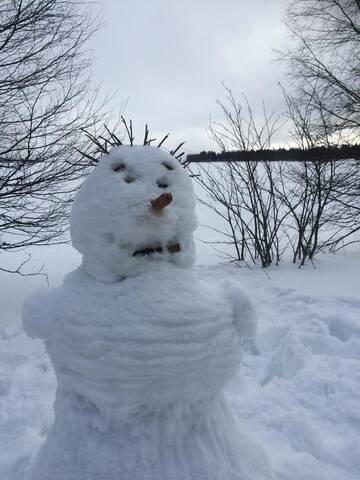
(161,201)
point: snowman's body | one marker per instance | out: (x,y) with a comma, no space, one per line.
(141,348)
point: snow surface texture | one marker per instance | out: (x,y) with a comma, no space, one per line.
(112,217)
(299,396)
(140,347)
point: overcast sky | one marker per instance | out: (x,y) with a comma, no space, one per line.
(169,58)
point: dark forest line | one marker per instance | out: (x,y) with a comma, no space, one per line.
(323,154)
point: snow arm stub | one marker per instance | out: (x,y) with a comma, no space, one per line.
(38,315)
(244,314)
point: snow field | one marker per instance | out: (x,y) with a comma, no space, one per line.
(299,396)
(301,393)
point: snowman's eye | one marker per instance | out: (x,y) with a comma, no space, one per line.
(129,179)
(167,166)
(162,185)
(119,168)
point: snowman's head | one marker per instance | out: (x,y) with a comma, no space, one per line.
(134,210)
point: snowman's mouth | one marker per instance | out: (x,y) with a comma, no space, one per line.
(173,248)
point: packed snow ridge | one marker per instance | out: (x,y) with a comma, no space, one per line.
(141,348)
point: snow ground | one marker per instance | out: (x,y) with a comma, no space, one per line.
(299,396)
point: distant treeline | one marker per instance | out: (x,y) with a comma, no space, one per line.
(324,154)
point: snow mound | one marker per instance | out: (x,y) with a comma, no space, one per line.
(299,396)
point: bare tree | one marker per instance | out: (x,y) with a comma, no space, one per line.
(45,101)
(345,214)
(324,63)
(311,204)
(320,193)
(306,188)
(243,193)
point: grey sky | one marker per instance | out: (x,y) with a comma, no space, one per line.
(169,57)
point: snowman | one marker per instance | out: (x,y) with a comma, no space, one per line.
(142,349)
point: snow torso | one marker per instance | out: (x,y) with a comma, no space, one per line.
(147,341)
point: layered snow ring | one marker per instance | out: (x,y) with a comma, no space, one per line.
(148,341)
